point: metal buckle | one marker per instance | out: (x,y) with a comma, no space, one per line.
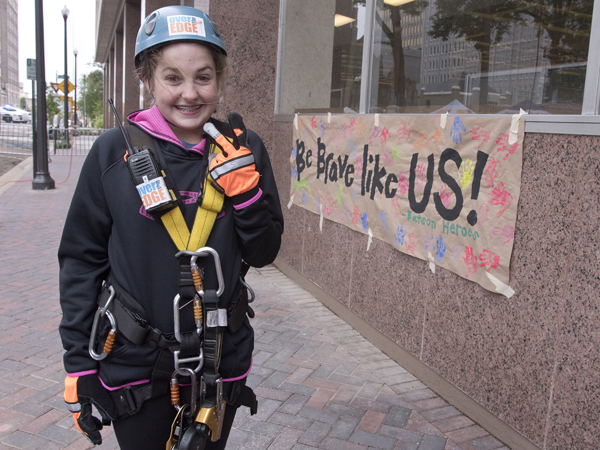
(102,311)
(206,251)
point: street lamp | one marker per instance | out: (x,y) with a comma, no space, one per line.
(75,96)
(65,14)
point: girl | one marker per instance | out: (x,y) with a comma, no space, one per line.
(130,270)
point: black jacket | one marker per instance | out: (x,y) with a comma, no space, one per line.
(108,231)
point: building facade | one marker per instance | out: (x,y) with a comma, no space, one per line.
(526,368)
(9,52)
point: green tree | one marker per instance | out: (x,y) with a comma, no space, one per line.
(92,86)
(52,106)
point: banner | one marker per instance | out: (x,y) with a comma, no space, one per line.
(442,188)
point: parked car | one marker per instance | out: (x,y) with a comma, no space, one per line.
(10,114)
(26,115)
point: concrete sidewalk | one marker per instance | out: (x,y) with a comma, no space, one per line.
(320,383)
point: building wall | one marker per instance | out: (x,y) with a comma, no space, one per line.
(9,52)
(530,360)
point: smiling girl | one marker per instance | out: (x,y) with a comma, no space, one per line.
(162,284)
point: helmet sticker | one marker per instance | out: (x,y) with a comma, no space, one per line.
(186,25)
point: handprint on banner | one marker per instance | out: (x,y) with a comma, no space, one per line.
(403,131)
(383,217)
(456,130)
(334,135)
(489,259)
(374,135)
(446,195)
(456,252)
(483,213)
(440,249)
(490,173)
(355,216)
(436,141)
(339,193)
(361,128)
(322,126)
(480,134)
(421,142)
(365,221)
(359,164)
(396,208)
(470,261)
(411,244)
(313,123)
(500,196)
(466,173)
(386,157)
(403,184)
(399,235)
(507,232)
(428,243)
(503,144)
(352,125)
(385,134)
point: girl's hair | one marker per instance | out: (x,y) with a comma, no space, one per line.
(148,61)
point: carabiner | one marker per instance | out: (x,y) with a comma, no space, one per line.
(103,311)
(205,251)
(177,332)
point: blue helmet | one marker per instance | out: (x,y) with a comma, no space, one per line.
(174,24)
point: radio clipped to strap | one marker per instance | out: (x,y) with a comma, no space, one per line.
(148,177)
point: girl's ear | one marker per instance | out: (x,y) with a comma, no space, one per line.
(147,85)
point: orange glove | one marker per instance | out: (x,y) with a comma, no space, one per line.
(233,169)
(80,393)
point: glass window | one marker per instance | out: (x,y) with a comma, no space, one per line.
(489,57)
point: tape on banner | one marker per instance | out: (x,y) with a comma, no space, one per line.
(370,239)
(296,121)
(443,118)
(328,117)
(376,120)
(502,288)
(321,219)
(514,127)
(431,262)
(291,201)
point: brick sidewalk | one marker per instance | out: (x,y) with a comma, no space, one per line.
(320,383)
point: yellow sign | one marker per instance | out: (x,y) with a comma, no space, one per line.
(70,86)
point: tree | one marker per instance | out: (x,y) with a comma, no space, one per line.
(394,35)
(93,89)
(481,22)
(52,106)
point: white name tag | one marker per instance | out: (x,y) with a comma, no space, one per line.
(154,193)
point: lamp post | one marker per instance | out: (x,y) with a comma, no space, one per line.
(75,96)
(65,14)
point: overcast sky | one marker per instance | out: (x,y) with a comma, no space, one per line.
(81,25)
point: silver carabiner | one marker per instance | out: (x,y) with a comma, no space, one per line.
(102,311)
(247,286)
(177,332)
(205,251)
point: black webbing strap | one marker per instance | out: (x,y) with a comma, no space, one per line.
(129,400)
(213,335)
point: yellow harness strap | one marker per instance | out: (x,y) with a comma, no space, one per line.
(212,204)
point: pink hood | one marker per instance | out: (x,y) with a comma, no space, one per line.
(153,122)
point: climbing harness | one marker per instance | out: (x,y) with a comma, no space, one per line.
(195,354)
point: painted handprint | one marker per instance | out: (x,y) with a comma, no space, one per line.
(440,249)
(489,259)
(500,196)
(456,130)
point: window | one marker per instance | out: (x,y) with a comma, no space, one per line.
(362,55)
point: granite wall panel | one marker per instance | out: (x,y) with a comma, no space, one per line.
(531,360)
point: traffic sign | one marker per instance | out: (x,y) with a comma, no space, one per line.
(70,86)
(30,69)
(62,76)
(55,87)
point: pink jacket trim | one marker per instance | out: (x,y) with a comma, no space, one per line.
(248,202)
(81,374)
(135,383)
(153,122)
(241,377)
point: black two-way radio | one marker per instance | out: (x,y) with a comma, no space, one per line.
(145,172)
